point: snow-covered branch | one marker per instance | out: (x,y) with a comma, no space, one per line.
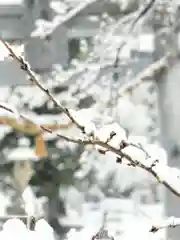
(59,20)
(112,138)
(171,222)
(148,73)
(141,14)
(44,128)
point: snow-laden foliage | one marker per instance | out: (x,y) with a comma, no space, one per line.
(15,228)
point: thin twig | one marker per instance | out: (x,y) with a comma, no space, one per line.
(34,79)
(88,140)
(120,153)
(143,12)
(139,16)
(171,222)
(44,128)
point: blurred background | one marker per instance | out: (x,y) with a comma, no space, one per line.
(74,46)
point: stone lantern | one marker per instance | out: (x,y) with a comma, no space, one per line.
(22,159)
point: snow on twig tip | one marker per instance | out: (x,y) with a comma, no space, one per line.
(113,134)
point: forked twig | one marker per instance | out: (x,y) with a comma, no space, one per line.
(88,140)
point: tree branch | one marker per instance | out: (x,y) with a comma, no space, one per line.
(154,166)
(34,80)
(132,26)
(171,222)
(125,151)
(42,127)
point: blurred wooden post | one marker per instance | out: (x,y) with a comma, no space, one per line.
(169,108)
(168,85)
